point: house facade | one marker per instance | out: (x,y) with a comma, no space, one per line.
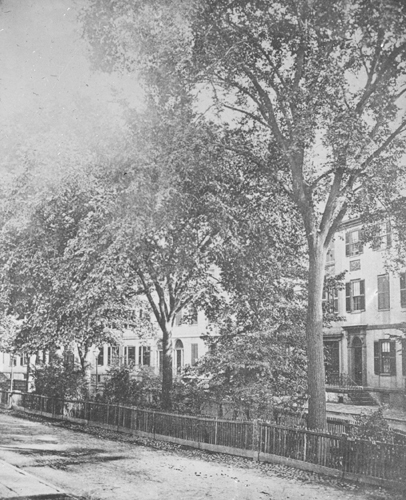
(367,349)
(187,347)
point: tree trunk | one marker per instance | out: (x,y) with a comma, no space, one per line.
(314,336)
(167,370)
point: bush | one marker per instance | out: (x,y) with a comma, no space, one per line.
(129,385)
(60,379)
(373,427)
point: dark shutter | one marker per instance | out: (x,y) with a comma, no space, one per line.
(377,358)
(100,358)
(361,238)
(362,293)
(140,355)
(347,244)
(404,357)
(393,358)
(348,297)
(403,289)
(109,355)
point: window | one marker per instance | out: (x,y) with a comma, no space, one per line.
(403,289)
(383,292)
(385,357)
(129,355)
(100,357)
(188,316)
(145,315)
(194,354)
(144,355)
(353,243)
(355,295)
(179,355)
(69,358)
(330,300)
(112,355)
(383,238)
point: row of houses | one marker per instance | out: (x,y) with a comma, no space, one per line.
(366,350)
(187,343)
(364,353)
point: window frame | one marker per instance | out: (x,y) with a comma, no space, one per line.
(383,292)
(383,239)
(383,358)
(194,354)
(144,355)
(330,300)
(351,299)
(113,355)
(353,248)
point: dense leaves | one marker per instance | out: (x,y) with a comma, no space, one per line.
(60,379)
(255,371)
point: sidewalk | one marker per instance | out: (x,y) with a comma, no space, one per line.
(16,483)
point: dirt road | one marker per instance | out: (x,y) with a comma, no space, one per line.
(95,468)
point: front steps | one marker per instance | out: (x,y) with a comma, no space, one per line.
(361,398)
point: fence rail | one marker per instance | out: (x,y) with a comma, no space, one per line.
(261,440)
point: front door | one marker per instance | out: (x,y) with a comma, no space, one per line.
(357,348)
(332,362)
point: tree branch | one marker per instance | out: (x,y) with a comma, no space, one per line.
(384,145)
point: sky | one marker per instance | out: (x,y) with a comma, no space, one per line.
(54,109)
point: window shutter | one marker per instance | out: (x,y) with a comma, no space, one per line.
(109,355)
(361,241)
(403,289)
(393,358)
(140,355)
(377,358)
(100,358)
(348,297)
(347,244)
(362,293)
(194,353)
(404,357)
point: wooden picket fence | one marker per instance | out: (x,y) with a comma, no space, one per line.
(373,462)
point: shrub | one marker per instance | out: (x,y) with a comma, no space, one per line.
(132,386)
(60,379)
(373,427)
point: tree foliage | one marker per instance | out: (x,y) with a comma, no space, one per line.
(60,379)
(57,275)
(324,82)
(257,372)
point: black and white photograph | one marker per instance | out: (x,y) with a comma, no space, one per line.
(203,249)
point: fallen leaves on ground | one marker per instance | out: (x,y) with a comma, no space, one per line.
(278,470)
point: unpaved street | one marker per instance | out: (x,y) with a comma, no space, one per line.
(85,465)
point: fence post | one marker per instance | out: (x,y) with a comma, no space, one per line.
(256,439)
